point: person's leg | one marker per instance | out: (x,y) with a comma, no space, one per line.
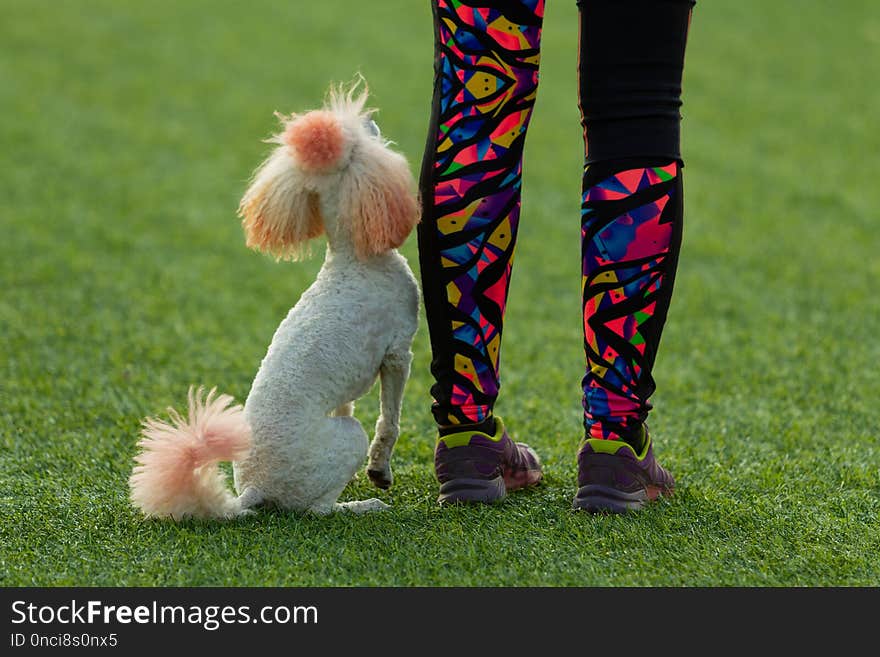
(485,82)
(631,63)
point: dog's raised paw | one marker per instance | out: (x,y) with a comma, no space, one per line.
(381,478)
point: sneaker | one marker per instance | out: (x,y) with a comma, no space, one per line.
(613,478)
(473,466)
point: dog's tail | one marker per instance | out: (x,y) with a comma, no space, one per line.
(177,473)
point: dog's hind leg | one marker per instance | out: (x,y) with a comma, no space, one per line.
(393,375)
(361,506)
(249,498)
(343,451)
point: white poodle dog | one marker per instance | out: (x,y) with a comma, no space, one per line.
(295,443)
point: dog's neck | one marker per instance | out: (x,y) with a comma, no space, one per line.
(339,250)
(341,254)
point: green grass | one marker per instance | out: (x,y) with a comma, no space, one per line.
(128,131)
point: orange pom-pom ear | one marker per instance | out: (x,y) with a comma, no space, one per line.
(378,201)
(317,141)
(279,213)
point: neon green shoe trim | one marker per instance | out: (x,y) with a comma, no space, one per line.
(602,446)
(462,438)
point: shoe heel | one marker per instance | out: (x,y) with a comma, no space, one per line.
(472,490)
(596,498)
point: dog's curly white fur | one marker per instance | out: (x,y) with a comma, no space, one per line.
(295,443)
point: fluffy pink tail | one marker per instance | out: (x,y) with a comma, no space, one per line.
(176,474)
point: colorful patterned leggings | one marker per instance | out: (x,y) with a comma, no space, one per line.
(486,77)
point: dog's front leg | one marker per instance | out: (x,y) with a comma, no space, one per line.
(393,376)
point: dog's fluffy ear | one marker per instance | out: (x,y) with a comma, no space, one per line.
(279,213)
(377,198)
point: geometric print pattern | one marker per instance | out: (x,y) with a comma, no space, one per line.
(487,82)
(626,242)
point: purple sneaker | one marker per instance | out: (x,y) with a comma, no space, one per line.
(473,466)
(612,478)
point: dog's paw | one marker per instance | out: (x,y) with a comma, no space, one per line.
(362,506)
(380,478)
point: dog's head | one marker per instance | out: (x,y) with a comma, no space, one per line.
(331,161)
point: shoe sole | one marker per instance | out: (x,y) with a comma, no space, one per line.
(465,490)
(596,498)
